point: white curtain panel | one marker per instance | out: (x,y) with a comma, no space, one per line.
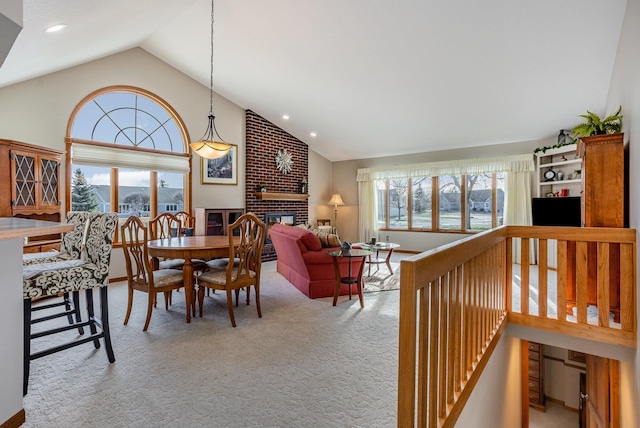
(368,207)
(517,209)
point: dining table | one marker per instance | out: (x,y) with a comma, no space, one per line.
(190,248)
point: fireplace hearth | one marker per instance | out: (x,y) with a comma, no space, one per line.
(270,219)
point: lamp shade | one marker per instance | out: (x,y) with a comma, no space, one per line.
(336,200)
(210,149)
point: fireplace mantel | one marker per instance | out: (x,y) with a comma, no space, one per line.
(268,196)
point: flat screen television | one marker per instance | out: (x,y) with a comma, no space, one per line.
(556,211)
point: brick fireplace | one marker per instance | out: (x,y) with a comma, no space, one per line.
(264,140)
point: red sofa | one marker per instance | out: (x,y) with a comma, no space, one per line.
(305,263)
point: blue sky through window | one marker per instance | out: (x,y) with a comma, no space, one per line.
(132,120)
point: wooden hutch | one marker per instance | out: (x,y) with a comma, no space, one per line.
(30,187)
(602,205)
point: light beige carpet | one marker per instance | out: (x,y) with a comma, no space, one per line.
(381,279)
(304,364)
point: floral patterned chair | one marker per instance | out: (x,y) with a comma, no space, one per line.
(89,271)
(71,247)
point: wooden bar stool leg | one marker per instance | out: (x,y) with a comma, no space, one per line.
(76,308)
(104,315)
(91,316)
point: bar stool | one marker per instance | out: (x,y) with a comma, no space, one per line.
(89,271)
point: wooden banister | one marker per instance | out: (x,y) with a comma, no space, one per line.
(456,300)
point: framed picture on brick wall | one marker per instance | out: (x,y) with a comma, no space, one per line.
(223,170)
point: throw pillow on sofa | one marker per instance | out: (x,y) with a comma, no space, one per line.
(328,240)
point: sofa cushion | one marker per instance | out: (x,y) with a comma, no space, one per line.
(311,241)
(306,237)
(328,240)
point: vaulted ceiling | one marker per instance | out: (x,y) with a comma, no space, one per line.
(371,78)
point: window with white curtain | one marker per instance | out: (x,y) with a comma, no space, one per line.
(468,195)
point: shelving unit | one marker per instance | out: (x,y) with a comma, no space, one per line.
(215,221)
(564,160)
(269,196)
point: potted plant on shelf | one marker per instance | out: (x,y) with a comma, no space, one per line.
(594,125)
(262,187)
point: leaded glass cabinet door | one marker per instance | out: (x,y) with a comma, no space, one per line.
(36,182)
(23,170)
(50,173)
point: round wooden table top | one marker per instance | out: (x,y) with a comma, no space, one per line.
(192,242)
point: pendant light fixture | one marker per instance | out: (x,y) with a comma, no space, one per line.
(207,146)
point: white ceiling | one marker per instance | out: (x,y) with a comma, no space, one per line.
(372,78)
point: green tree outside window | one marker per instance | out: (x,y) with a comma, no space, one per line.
(83,197)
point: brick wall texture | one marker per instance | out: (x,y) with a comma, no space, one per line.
(263,140)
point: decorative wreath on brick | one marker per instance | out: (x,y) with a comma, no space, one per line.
(284,161)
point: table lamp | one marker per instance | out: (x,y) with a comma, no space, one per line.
(336,200)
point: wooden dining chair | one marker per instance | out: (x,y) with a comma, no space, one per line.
(243,274)
(187,223)
(140,273)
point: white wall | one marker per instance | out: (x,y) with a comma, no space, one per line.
(562,377)
(625,90)
(319,187)
(10,329)
(496,399)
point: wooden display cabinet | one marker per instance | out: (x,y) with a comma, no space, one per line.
(30,187)
(212,221)
(536,376)
(602,205)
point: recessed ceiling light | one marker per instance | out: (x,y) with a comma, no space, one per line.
(313,134)
(285,116)
(55,28)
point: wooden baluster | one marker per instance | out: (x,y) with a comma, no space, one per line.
(459,343)
(603,284)
(524,276)
(433,355)
(627,285)
(562,280)
(443,371)
(581,281)
(542,278)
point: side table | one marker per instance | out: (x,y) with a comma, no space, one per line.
(349,279)
(377,247)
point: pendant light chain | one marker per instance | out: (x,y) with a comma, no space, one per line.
(207,146)
(211,74)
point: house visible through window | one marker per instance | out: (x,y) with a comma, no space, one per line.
(464,203)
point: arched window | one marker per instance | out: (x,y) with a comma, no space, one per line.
(127,152)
